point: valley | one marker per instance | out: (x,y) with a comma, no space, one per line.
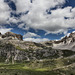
(18,57)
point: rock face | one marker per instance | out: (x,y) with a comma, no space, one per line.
(11,36)
(68,42)
(13,50)
(11,53)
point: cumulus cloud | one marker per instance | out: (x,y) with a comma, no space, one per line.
(36,39)
(41,5)
(30,35)
(4,30)
(33,37)
(23,5)
(4,12)
(37,17)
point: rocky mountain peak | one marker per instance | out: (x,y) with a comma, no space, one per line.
(72,35)
(70,38)
(11,36)
(68,42)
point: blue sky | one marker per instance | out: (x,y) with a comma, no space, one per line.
(38,20)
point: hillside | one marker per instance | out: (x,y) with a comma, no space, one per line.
(45,58)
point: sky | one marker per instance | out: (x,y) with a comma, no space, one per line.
(38,20)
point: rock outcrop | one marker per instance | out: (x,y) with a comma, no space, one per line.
(11,36)
(11,53)
(13,50)
(68,42)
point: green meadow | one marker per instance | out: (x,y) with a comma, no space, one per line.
(59,66)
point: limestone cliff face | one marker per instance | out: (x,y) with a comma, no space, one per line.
(69,39)
(10,52)
(11,36)
(12,48)
(68,42)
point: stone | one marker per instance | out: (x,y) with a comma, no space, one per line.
(12,36)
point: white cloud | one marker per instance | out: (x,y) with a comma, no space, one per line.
(41,5)
(33,37)
(37,18)
(53,23)
(4,12)
(36,39)
(23,5)
(4,30)
(13,20)
(30,35)
(73,32)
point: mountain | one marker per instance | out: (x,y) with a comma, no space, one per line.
(13,46)
(18,57)
(11,36)
(68,42)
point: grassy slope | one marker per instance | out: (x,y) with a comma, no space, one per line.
(61,66)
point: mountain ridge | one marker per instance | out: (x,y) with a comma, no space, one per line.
(67,42)
(16,54)
(11,36)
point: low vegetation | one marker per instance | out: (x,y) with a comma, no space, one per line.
(44,61)
(59,66)
(19,48)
